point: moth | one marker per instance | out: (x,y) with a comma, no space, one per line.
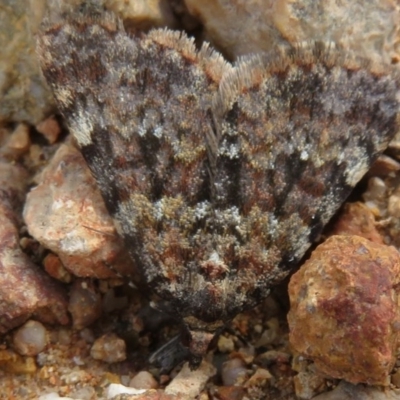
(219,176)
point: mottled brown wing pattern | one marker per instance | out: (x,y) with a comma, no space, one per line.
(218,177)
(295,135)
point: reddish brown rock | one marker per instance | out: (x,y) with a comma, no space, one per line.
(50,129)
(53,266)
(231,393)
(344,312)
(357,219)
(66,214)
(25,291)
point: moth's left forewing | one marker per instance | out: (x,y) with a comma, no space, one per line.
(139,107)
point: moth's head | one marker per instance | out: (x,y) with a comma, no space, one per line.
(198,337)
(198,345)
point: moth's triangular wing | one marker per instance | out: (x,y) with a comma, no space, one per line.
(139,107)
(296,132)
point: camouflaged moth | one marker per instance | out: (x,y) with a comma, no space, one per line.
(219,177)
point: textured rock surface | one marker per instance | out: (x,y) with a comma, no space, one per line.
(143,380)
(25,290)
(66,214)
(188,384)
(357,219)
(84,303)
(369,28)
(344,309)
(109,348)
(143,14)
(347,391)
(23,95)
(30,339)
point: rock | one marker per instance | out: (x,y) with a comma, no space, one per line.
(120,392)
(53,396)
(384,166)
(53,266)
(368,29)
(13,363)
(143,380)
(50,129)
(395,378)
(85,304)
(260,378)
(143,14)
(230,393)
(375,197)
(225,344)
(344,313)
(67,215)
(30,339)
(392,222)
(273,357)
(23,94)
(25,290)
(17,143)
(270,335)
(347,391)
(357,219)
(109,348)
(308,384)
(115,389)
(233,370)
(188,384)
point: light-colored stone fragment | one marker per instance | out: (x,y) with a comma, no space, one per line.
(188,384)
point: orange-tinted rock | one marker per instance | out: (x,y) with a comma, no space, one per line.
(357,219)
(53,266)
(50,129)
(230,393)
(344,309)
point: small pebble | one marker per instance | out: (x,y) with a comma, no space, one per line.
(232,370)
(109,348)
(84,303)
(188,384)
(30,339)
(270,335)
(64,336)
(50,129)
(143,380)
(308,384)
(395,378)
(260,378)
(225,345)
(53,396)
(115,389)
